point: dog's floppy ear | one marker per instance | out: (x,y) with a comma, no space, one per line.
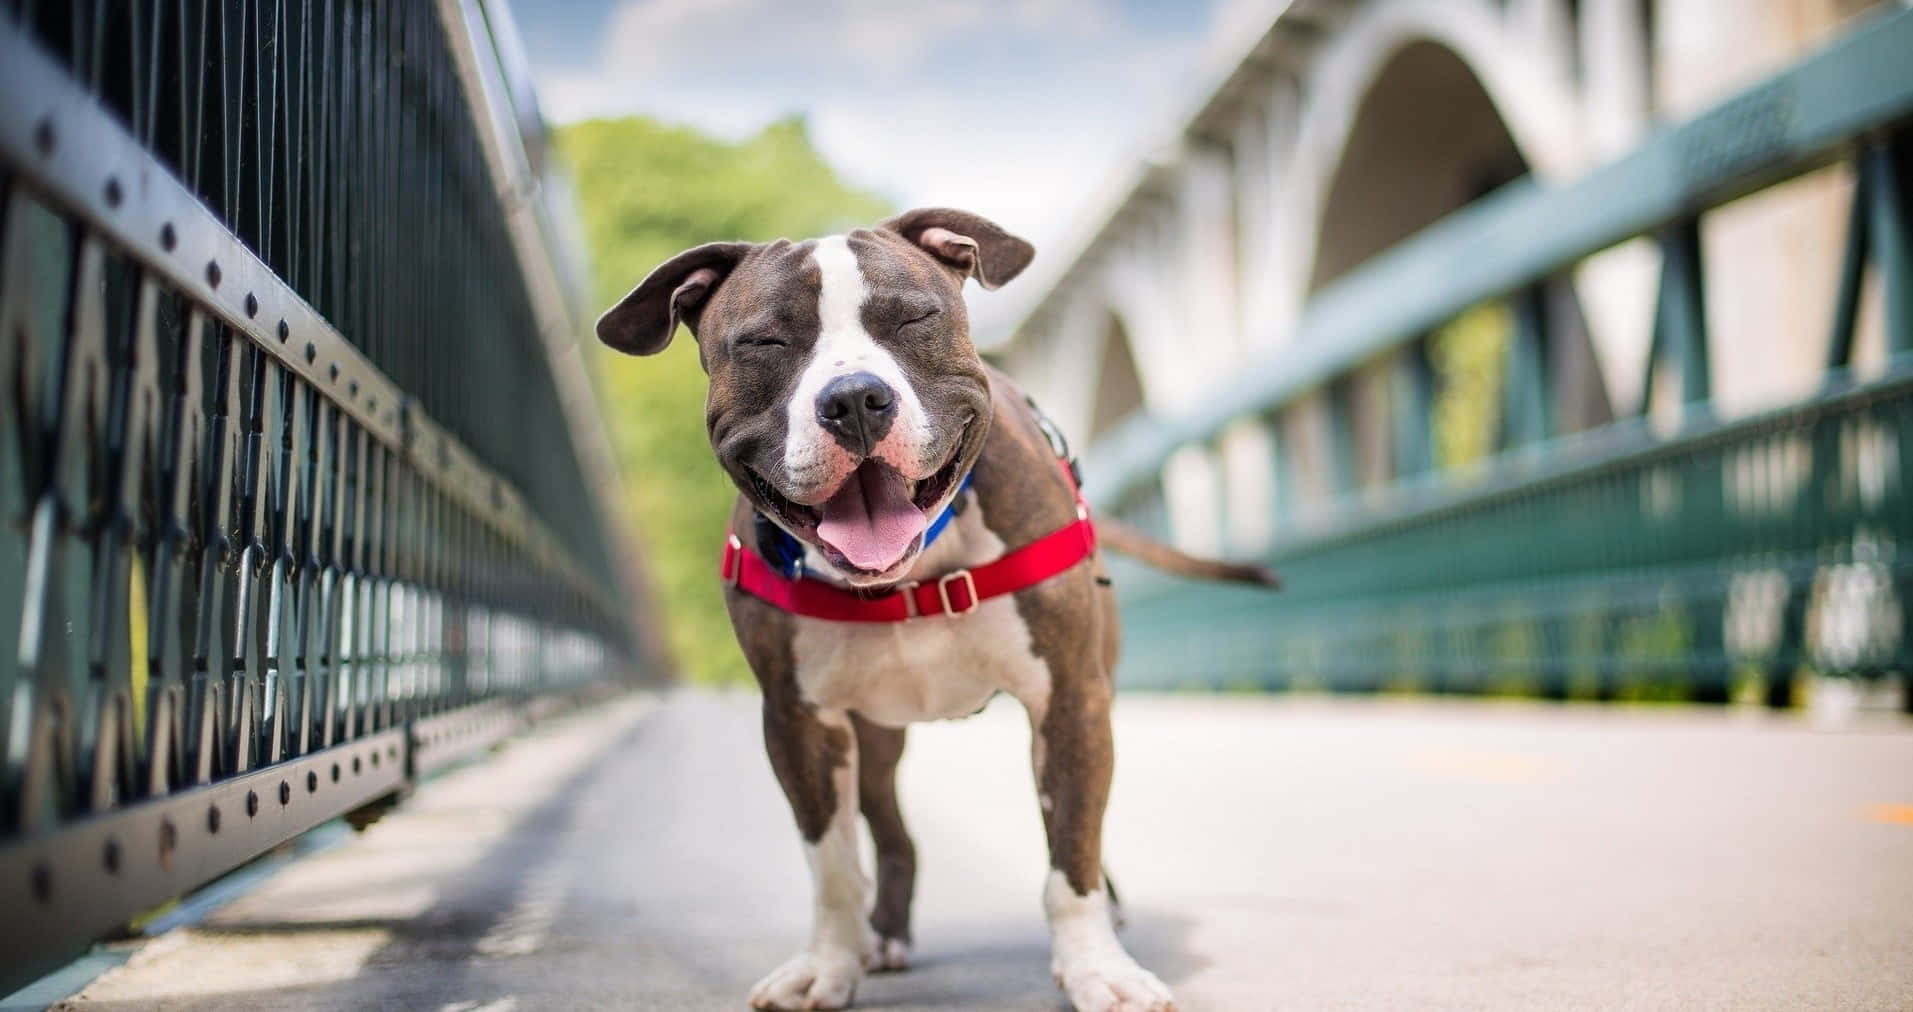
(971,243)
(642,322)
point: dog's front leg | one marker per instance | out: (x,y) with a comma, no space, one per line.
(814,754)
(1074,758)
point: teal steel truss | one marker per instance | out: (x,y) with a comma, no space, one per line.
(1620,560)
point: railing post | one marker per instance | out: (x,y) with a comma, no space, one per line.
(1344,474)
(1527,412)
(1284,471)
(1413,401)
(1853,260)
(1680,315)
(1890,231)
(1681,328)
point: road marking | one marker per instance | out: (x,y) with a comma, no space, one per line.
(505,1004)
(521,932)
(1481,765)
(1898,814)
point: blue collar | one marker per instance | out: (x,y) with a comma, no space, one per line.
(949,513)
(786,554)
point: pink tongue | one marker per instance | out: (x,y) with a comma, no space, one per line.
(871,519)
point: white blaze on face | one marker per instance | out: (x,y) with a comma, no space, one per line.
(813,461)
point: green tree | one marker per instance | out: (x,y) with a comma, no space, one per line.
(647,190)
(1470,357)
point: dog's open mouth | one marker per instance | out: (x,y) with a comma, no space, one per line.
(874,520)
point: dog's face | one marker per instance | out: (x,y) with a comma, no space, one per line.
(846,398)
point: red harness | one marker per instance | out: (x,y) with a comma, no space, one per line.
(955,593)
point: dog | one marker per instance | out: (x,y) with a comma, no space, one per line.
(907,542)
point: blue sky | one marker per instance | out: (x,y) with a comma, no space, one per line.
(1022,111)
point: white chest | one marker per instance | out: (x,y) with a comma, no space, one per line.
(934,668)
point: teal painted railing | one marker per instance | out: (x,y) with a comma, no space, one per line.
(1615,561)
(292,510)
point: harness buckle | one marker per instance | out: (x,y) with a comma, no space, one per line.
(909,592)
(733,569)
(943,592)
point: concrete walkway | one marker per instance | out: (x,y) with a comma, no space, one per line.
(1291,854)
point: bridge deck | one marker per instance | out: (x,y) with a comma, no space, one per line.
(1274,854)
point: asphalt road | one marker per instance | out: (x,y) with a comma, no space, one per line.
(1273,853)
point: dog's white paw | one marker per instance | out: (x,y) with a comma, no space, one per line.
(810,980)
(882,953)
(1111,982)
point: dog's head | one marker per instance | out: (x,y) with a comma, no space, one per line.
(846,399)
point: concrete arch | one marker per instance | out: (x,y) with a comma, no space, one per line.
(1529,80)
(1118,385)
(1527,84)
(1402,169)
(1096,364)
(1427,138)
(1136,289)
(1210,250)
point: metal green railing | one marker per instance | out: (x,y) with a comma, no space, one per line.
(1610,562)
(292,509)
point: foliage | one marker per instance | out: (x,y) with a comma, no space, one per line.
(647,190)
(1469,356)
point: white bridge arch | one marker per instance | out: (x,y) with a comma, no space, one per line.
(1350,124)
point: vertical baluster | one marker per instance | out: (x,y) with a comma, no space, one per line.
(254,690)
(303,550)
(1527,417)
(330,531)
(20,304)
(1680,318)
(385,590)
(124,667)
(35,288)
(58,629)
(174,605)
(1890,234)
(217,560)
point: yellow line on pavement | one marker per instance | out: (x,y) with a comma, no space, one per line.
(1479,764)
(1901,814)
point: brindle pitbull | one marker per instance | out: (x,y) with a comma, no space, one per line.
(847,402)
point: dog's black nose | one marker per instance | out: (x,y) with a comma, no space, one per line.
(856,410)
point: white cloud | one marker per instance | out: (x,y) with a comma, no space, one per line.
(1019,109)
(868,40)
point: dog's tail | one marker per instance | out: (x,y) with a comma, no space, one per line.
(1122,538)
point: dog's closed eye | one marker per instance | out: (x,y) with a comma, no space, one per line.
(758,339)
(923,317)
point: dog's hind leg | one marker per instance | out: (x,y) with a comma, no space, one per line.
(878,749)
